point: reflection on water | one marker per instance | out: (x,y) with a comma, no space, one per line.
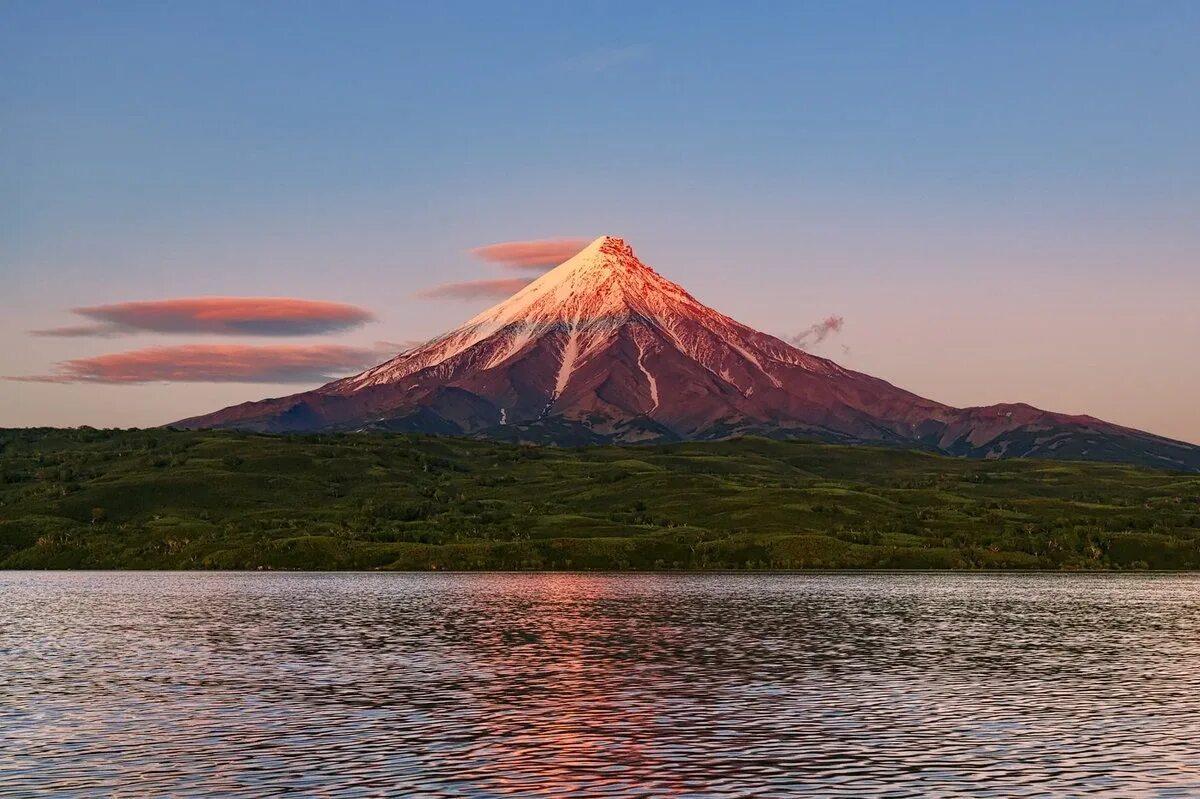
(599,685)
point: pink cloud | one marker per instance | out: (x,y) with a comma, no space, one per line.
(530,255)
(496,288)
(525,256)
(214,363)
(255,316)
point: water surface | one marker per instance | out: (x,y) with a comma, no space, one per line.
(479,685)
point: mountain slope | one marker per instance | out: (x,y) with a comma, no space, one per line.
(602,348)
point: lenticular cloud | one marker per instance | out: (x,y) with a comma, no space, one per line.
(493,288)
(535,255)
(521,256)
(214,363)
(230,316)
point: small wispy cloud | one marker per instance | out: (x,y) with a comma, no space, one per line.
(815,334)
(492,288)
(602,59)
(252,316)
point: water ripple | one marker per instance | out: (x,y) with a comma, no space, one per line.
(489,685)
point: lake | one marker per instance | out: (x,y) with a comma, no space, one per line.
(480,685)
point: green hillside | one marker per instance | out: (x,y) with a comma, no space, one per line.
(142,499)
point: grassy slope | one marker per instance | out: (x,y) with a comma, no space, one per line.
(167,499)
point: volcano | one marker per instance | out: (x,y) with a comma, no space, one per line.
(603,349)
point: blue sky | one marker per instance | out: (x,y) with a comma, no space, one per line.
(1000,199)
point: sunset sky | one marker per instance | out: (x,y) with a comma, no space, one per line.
(207,203)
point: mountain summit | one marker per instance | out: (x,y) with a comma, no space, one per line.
(604,349)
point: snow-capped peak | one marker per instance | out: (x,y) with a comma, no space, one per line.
(602,283)
(587,297)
